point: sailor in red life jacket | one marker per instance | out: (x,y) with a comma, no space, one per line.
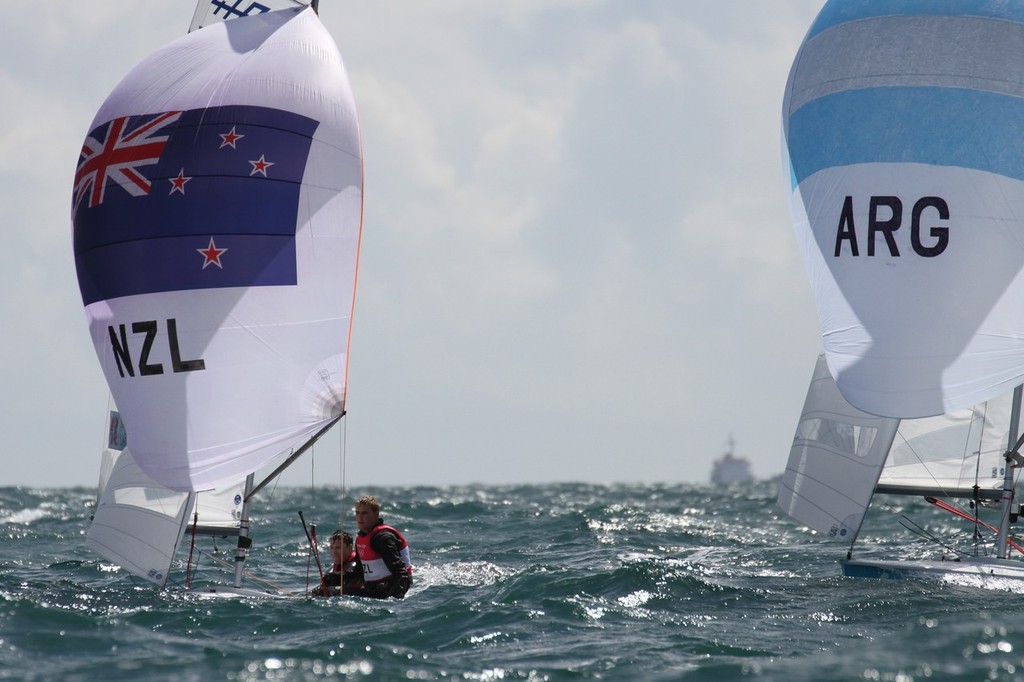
(383,554)
(346,575)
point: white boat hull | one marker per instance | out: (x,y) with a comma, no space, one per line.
(981,571)
(226,591)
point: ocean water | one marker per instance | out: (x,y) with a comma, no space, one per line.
(545,582)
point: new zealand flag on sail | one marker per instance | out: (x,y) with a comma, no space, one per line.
(198,199)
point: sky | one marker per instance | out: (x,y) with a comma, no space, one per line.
(577,256)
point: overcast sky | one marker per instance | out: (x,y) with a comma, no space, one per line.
(577,259)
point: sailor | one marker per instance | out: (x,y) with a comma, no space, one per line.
(383,554)
(346,575)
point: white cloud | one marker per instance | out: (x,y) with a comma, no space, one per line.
(577,259)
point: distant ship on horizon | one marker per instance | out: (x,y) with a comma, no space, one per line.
(729,468)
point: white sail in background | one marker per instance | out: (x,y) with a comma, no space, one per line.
(219,509)
(842,456)
(837,455)
(217,218)
(950,454)
(902,124)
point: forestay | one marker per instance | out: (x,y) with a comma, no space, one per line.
(903,126)
(217,216)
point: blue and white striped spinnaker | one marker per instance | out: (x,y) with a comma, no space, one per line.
(903,125)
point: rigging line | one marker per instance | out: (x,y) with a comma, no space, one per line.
(342,460)
(920,531)
(192,546)
(309,564)
(908,444)
(295,455)
(920,460)
(977,512)
(1005,510)
(981,443)
(312,479)
(311,537)
(247,574)
(1016,482)
(1017,475)
(945,506)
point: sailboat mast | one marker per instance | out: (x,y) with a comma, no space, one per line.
(244,541)
(1002,544)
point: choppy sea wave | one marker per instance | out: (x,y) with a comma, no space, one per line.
(548,582)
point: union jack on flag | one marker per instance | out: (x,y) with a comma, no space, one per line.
(153,190)
(115,156)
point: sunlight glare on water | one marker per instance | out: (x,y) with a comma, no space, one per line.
(564,581)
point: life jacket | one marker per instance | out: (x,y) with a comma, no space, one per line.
(348,562)
(374,568)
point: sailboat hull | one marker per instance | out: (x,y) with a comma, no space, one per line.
(985,571)
(227,591)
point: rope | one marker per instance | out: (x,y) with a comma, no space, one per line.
(342,459)
(188,566)
(906,522)
(247,574)
(344,493)
(945,506)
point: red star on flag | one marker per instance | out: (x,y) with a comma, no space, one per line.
(212,254)
(260,166)
(230,138)
(178,183)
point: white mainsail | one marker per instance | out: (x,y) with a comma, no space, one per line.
(837,455)
(841,457)
(138,523)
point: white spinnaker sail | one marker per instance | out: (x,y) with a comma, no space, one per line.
(837,455)
(217,219)
(215,11)
(903,128)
